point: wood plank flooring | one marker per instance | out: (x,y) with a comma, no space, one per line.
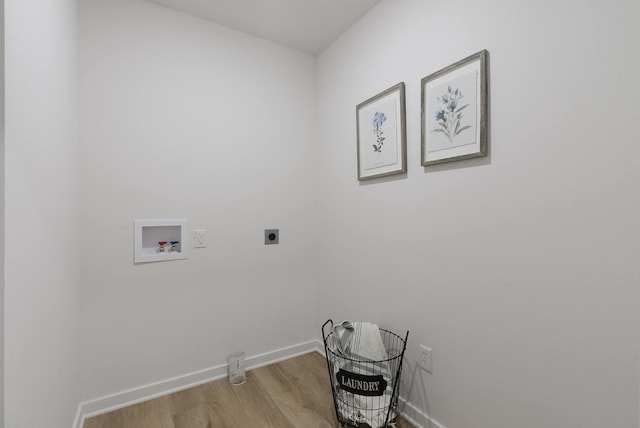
(294,393)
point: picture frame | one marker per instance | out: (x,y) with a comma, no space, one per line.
(382,134)
(454,111)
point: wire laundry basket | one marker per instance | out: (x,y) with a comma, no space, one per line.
(365,391)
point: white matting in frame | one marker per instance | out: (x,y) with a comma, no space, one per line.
(454,111)
(381,134)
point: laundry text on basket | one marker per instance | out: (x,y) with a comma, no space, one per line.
(361,384)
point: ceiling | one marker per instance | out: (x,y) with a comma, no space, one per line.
(307,25)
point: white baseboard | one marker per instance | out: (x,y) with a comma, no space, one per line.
(133,396)
(78,421)
(137,395)
(415,416)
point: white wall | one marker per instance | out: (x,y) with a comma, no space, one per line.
(181,118)
(41,387)
(2,223)
(519,269)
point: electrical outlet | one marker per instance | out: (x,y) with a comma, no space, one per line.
(425,359)
(271,236)
(200,238)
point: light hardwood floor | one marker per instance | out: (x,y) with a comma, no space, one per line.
(294,393)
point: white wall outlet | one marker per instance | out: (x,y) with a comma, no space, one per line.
(200,238)
(425,358)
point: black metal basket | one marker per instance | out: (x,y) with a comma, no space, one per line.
(365,391)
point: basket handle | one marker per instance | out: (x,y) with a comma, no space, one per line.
(329,321)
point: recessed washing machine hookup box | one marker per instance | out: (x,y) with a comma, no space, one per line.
(160,240)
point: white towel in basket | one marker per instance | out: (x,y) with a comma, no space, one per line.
(356,410)
(360,341)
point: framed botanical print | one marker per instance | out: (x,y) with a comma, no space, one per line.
(381,134)
(454,111)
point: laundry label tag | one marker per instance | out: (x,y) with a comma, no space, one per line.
(360,384)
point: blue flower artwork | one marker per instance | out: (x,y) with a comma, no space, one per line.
(450,118)
(378,119)
(379,133)
(453,113)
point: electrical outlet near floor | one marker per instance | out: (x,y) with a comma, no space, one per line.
(425,358)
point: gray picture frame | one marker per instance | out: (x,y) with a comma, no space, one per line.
(381,134)
(454,111)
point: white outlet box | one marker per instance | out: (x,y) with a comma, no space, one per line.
(425,358)
(148,234)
